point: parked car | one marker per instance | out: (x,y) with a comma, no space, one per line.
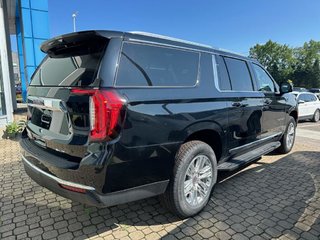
(309,106)
(116,117)
(316,91)
(299,89)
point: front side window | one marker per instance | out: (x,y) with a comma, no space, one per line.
(310,98)
(304,97)
(239,74)
(264,82)
(146,65)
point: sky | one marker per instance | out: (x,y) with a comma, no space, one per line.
(230,24)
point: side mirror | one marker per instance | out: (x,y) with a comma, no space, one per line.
(285,88)
(301,101)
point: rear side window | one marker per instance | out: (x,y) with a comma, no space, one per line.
(145,65)
(239,74)
(223,78)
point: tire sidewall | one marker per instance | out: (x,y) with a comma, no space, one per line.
(198,149)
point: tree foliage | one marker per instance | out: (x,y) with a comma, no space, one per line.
(300,64)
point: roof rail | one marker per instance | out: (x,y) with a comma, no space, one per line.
(169,38)
(230,51)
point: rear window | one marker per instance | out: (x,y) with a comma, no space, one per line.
(145,65)
(75,68)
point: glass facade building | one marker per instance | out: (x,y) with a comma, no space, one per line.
(28,21)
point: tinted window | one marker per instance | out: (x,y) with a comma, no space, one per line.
(306,97)
(144,65)
(311,97)
(74,70)
(302,97)
(264,82)
(239,74)
(54,70)
(223,78)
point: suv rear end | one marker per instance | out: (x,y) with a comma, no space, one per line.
(71,119)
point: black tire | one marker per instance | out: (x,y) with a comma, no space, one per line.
(316,116)
(285,147)
(174,198)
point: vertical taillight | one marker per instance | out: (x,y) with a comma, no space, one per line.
(105,114)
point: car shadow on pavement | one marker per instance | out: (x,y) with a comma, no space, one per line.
(281,199)
(268,201)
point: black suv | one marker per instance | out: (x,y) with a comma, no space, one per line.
(115,117)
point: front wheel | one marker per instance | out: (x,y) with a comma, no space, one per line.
(289,136)
(316,116)
(194,175)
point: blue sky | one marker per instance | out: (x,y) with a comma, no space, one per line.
(231,24)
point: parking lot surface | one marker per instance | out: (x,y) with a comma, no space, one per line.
(277,197)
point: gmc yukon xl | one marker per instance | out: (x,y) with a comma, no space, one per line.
(115,117)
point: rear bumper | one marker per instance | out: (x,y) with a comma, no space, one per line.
(90,195)
(53,183)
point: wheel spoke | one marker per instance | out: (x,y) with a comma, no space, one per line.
(291,131)
(202,189)
(190,171)
(187,187)
(205,172)
(194,198)
(198,164)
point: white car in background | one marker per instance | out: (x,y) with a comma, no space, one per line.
(308,106)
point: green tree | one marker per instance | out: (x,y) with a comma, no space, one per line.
(308,53)
(278,59)
(315,81)
(307,73)
(301,64)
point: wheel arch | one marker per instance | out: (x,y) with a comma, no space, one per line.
(294,114)
(210,133)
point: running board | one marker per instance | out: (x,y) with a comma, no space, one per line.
(248,157)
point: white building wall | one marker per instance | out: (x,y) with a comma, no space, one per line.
(6,64)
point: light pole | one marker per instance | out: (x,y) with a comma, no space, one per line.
(74,15)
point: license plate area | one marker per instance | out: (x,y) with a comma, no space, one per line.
(41,117)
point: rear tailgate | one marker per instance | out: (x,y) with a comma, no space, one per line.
(58,118)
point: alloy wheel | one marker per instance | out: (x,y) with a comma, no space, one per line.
(198,180)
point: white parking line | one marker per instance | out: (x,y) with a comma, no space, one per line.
(308,134)
(308,124)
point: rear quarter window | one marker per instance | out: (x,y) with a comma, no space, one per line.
(223,78)
(156,66)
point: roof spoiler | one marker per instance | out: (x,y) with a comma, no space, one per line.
(89,41)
